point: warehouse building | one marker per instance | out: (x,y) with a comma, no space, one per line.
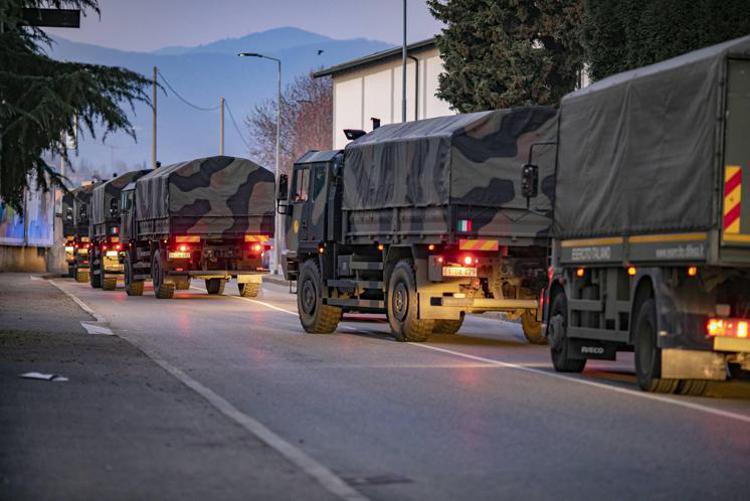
(370,88)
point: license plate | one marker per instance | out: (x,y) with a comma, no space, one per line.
(111,254)
(459,271)
(179,255)
(83,251)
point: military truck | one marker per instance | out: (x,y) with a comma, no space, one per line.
(209,218)
(652,238)
(424,221)
(104,231)
(76,231)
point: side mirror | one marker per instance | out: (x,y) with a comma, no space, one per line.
(114,210)
(530,181)
(282,208)
(282,191)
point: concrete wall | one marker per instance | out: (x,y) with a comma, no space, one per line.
(27,259)
(375,91)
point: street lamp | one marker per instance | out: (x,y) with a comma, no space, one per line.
(278,225)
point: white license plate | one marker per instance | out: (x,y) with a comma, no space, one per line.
(111,254)
(459,271)
(179,255)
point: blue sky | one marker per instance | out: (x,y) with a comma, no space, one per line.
(145,25)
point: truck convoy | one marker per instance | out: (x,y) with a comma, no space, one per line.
(210,218)
(652,237)
(424,221)
(104,231)
(76,231)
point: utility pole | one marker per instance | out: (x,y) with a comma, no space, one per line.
(221,126)
(153,132)
(403,71)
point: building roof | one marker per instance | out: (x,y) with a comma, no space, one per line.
(375,58)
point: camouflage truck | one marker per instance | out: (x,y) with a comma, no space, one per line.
(210,218)
(424,221)
(76,231)
(652,238)
(104,231)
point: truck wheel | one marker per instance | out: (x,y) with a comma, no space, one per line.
(532,328)
(315,317)
(648,354)
(215,285)
(558,337)
(71,271)
(132,287)
(402,306)
(249,289)
(181,283)
(447,326)
(161,290)
(95,278)
(109,283)
(82,275)
(692,387)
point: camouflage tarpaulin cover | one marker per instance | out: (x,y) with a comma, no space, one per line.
(638,150)
(472,159)
(214,195)
(105,193)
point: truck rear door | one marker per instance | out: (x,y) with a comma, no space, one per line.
(736,211)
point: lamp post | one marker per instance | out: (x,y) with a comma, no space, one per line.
(278,223)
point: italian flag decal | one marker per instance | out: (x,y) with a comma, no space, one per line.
(464,225)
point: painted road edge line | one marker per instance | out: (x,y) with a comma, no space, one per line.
(633,393)
(263,303)
(324,476)
(80,303)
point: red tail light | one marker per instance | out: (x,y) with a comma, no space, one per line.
(183,248)
(728,327)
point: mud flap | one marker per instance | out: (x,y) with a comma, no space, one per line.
(591,349)
(692,364)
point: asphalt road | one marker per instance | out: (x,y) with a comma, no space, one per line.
(478,415)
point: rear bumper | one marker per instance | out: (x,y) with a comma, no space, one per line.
(478,305)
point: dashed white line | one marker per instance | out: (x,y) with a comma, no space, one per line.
(93,328)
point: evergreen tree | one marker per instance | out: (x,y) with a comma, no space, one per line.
(40,99)
(620,35)
(501,53)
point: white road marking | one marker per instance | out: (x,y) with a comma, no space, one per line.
(633,393)
(323,475)
(93,328)
(263,303)
(80,303)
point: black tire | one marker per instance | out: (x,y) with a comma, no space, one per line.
(402,306)
(249,289)
(447,326)
(315,317)
(162,290)
(82,275)
(109,283)
(647,352)
(72,270)
(692,387)
(558,337)
(532,328)
(95,279)
(132,287)
(215,286)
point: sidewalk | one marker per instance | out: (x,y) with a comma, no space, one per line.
(121,427)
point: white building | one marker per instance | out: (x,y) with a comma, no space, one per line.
(370,87)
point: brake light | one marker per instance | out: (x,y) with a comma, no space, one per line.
(468,260)
(727,327)
(104,247)
(117,247)
(183,248)
(187,239)
(550,273)
(257,248)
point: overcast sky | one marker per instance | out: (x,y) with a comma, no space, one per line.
(145,25)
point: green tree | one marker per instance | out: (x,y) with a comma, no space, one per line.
(620,35)
(501,53)
(40,99)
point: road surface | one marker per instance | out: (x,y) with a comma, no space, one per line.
(478,415)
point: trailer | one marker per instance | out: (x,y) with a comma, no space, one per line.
(104,231)
(76,231)
(652,238)
(209,218)
(424,221)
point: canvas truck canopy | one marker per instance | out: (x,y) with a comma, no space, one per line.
(214,195)
(640,151)
(105,193)
(472,159)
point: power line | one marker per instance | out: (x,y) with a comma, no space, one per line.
(199,108)
(236,127)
